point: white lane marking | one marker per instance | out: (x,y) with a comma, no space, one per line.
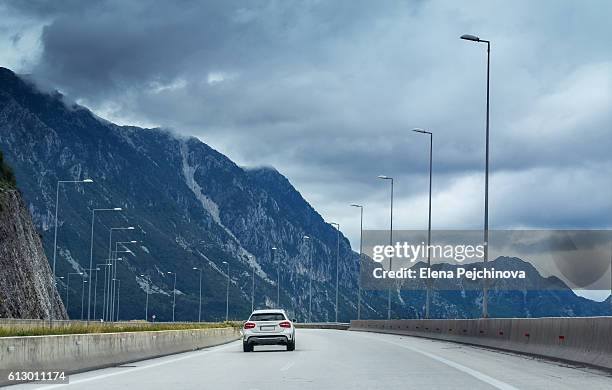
(476,374)
(139,368)
(287,366)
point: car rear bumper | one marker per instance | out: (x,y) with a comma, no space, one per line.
(267,340)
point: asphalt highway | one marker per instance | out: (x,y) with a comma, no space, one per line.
(335,359)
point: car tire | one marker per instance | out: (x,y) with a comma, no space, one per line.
(291,346)
(246,347)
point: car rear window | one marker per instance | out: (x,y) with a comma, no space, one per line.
(267,317)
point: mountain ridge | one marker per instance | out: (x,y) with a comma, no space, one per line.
(194,208)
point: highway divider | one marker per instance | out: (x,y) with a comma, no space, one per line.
(322,325)
(583,340)
(81,352)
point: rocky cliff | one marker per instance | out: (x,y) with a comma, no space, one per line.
(26,289)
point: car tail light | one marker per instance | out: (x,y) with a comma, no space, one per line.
(285,324)
(249,325)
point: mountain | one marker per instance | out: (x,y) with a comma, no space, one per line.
(26,288)
(192,208)
(534,296)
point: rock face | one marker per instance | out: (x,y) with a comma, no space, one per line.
(26,289)
(192,207)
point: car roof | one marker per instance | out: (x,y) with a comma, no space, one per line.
(266,311)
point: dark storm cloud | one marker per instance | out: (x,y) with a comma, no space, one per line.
(327,91)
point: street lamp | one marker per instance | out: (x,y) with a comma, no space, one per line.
(83,297)
(277,277)
(107,270)
(173,295)
(360,256)
(95,287)
(147,299)
(113,275)
(307,239)
(253,284)
(485,308)
(93,218)
(200,307)
(390,243)
(337,225)
(68,288)
(118,282)
(55,234)
(227,292)
(429,292)
(107,278)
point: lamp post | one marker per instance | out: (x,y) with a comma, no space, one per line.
(106,272)
(107,278)
(277,277)
(93,218)
(227,292)
(360,255)
(147,299)
(113,274)
(55,234)
(118,281)
(173,295)
(68,288)
(252,284)
(200,307)
(95,287)
(485,308)
(83,297)
(337,225)
(390,243)
(429,285)
(307,239)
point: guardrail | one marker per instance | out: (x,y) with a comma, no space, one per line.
(81,352)
(585,340)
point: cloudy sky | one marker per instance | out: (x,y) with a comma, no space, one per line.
(327,92)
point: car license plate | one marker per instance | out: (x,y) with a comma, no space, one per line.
(267,327)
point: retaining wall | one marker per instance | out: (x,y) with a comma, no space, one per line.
(586,340)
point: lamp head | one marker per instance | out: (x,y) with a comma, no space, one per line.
(469,37)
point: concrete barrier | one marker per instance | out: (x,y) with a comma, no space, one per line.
(36,323)
(80,352)
(323,325)
(586,340)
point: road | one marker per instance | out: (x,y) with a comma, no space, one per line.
(334,359)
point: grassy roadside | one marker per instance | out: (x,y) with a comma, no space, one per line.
(110,328)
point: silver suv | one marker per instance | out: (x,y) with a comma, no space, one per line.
(268,327)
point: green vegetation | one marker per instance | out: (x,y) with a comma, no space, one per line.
(109,328)
(6,173)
